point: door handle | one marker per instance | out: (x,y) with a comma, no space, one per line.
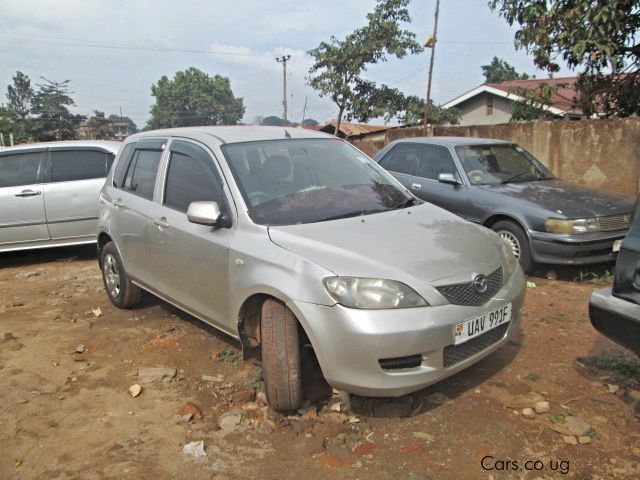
(416,186)
(118,203)
(28,193)
(161,222)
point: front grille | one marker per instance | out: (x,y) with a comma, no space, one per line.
(615,222)
(454,354)
(467,294)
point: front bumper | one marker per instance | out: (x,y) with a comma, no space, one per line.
(350,343)
(576,249)
(616,319)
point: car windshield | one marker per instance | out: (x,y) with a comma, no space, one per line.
(291,181)
(504,163)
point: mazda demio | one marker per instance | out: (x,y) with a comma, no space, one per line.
(294,241)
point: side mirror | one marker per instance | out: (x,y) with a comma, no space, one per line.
(448,178)
(204,213)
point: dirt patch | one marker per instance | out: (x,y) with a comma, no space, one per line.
(68,412)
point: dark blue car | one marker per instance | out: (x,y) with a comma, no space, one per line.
(503,187)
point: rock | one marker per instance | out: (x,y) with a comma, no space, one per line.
(393,409)
(135,390)
(424,436)
(229,421)
(542,407)
(244,396)
(438,398)
(336,407)
(194,449)
(192,409)
(333,417)
(187,418)
(155,374)
(96,312)
(212,378)
(572,426)
(79,349)
(612,388)
(570,439)
(353,419)
(584,439)
(528,413)
(531,285)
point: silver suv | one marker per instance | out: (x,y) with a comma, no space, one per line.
(49,192)
(286,239)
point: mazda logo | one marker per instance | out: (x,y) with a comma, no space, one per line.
(480,283)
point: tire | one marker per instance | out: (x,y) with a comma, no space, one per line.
(514,234)
(281,368)
(122,292)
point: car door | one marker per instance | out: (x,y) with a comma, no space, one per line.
(75,177)
(22,214)
(132,195)
(191,262)
(402,162)
(433,161)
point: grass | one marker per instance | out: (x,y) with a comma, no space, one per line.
(600,280)
(532,377)
(557,419)
(624,365)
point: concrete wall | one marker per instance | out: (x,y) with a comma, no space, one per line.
(474,110)
(598,153)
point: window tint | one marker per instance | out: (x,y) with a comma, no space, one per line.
(191,178)
(141,176)
(435,160)
(404,159)
(19,169)
(67,165)
(120,171)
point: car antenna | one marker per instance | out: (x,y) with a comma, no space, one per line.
(287,134)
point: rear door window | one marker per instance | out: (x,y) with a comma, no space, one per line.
(191,177)
(18,169)
(141,175)
(404,159)
(70,165)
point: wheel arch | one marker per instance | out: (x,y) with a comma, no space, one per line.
(494,218)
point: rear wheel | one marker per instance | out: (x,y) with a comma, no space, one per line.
(280,356)
(515,236)
(122,292)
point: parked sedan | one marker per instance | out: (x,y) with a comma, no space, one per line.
(503,187)
(288,239)
(615,312)
(49,193)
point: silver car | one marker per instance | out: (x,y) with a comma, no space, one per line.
(288,239)
(49,192)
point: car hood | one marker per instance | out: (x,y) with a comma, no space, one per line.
(417,245)
(569,199)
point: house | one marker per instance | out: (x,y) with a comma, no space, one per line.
(492,103)
(348,129)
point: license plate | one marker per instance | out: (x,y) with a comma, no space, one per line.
(616,245)
(482,323)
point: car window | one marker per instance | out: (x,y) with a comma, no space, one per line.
(19,169)
(191,177)
(404,159)
(120,172)
(69,165)
(141,176)
(435,160)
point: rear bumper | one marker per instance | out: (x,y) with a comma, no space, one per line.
(616,319)
(353,346)
(574,249)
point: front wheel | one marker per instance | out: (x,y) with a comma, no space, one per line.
(515,236)
(122,292)
(280,356)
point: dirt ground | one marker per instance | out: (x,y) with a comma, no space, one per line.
(66,410)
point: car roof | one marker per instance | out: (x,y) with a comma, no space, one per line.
(110,145)
(233,134)
(454,141)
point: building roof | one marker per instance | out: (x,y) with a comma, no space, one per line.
(351,129)
(562,100)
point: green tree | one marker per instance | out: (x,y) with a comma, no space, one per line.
(194,98)
(20,96)
(272,121)
(6,123)
(500,71)
(339,64)
(310,121)
(534,103)
(99,126)
(53,119)
(412,112)
(600,38)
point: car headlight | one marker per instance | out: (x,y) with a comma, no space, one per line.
(510,260)
(580,225)
(372,293)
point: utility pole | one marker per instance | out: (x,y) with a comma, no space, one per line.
(284,59)
(431,43)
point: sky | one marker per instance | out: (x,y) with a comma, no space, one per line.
(112,51)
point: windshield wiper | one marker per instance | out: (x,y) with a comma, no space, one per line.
(347,215)
(513,177)
(407,202)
